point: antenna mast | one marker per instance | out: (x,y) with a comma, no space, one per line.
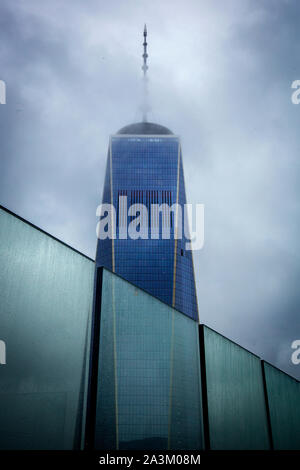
(145,77)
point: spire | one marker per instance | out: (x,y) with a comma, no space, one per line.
(145,55)
(145,106)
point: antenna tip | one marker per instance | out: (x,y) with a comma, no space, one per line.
(145,29)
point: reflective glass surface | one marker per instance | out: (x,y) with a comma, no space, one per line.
(235,395)
(284,405)
(46,291)
(149,372)
(148,170)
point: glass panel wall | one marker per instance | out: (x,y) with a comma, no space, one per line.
(237,416)
(284,405)
(46,292)
(149,376)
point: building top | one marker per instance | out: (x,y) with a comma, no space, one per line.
(145,128)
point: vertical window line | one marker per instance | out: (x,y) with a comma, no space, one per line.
(176,229)
(118,208)
(157,212)
(142,202)
(151,197)
(146,196)
(164,210)
(124,207)
(119,214)
(167,198)
(112,202)
(171,218)
(155,215)
(171,213)
(122,192)
(167,211)
(153,218)
(143,215)
(150,216)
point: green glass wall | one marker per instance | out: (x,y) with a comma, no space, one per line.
(237,417)
(148,385)
(46,291)
(148,394)
(284,405)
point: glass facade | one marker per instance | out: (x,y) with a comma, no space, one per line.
(46,291)
(284,405)
(147,169)
(148,388)
(237,416)
(151,386)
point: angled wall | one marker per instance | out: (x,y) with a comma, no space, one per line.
(46,291)
(234,395)
(284,405)
(151,387)
(148,389)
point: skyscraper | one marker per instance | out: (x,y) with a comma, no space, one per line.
(144,165)
(145,389)
(93,361)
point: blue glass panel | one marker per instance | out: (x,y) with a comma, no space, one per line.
(145,169)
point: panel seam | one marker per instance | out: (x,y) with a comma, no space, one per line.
(176,229)
(266,399)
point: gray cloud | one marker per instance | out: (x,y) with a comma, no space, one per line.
(220,76)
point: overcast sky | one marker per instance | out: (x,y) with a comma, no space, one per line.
(220,75)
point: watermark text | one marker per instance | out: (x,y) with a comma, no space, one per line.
(155,221)
(2,92)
